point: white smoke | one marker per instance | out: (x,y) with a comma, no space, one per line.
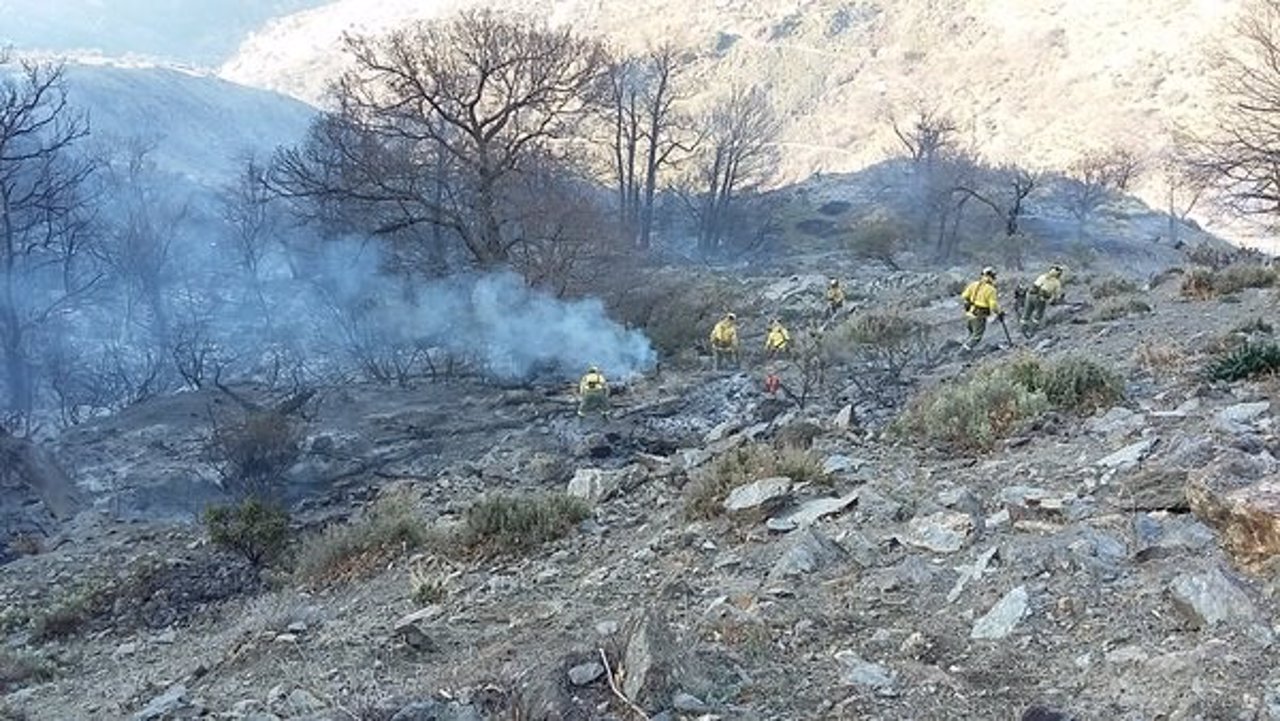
(513,331)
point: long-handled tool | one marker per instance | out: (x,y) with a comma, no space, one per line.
(1000,317)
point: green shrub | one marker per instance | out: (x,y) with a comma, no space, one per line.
(256,451)
(973,413)
(254,529)
(1080,385)
(704,495)
(510,523)
(389,527)
(19,668)
(67,615)
(1117,309)
(1112,286)
(426,588)
(1249,360)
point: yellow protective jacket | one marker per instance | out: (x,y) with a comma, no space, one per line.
(593,383)
(778,338)
(1050,286)
(835,295)
(980,298)
(724,335)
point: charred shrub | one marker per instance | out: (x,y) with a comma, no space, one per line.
(256,530)
(19,668)
(877,238)
(256,452)
(503,523)
(1249,360)
(1202,283)
(1111,286)
(1117,309)
(1239,276)
(390,527)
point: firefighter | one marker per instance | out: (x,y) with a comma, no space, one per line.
(593,394)
(980,303)
(724,341)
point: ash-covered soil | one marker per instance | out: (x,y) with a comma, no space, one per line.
(1061,573)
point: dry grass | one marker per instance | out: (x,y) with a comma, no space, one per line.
(704,495)
(390,527)
(1161,357)
(1204,283)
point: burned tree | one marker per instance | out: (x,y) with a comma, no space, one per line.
(1095,178)
(938,167)
(647,133)
(437,121)
(734,158)
(43,232)
(1242,157)
(1005,190)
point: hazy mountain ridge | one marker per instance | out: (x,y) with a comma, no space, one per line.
(1038,81)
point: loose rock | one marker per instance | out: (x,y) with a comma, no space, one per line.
(1000,621)
(1210,598)
(586,673)
(759,494)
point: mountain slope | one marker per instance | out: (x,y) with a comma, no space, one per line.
(199,124)
(200,32)
(1039,80)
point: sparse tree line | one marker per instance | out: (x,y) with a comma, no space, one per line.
(474,143)
(482,141)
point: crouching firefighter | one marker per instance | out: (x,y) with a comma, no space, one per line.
(1047,289)
(980,303)
(777,342)
(593,394)
(724,341)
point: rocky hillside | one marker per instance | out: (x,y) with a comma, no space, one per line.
(1098,547)
(1037,81)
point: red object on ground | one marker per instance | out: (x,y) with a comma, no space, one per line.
(772,383)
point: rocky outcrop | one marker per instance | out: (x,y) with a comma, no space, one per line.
(1248,518)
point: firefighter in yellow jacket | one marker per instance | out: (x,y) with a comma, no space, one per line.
(777,341)
(724,341)
(980,303)
(1047,289)
(593,394)
(835,298)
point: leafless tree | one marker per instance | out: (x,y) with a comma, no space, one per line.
(1095,178)
(43,218)
(437,121)
(928,136)
(734,157)
(647,133)
(939,166)
(1241,158)
(1005,190)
